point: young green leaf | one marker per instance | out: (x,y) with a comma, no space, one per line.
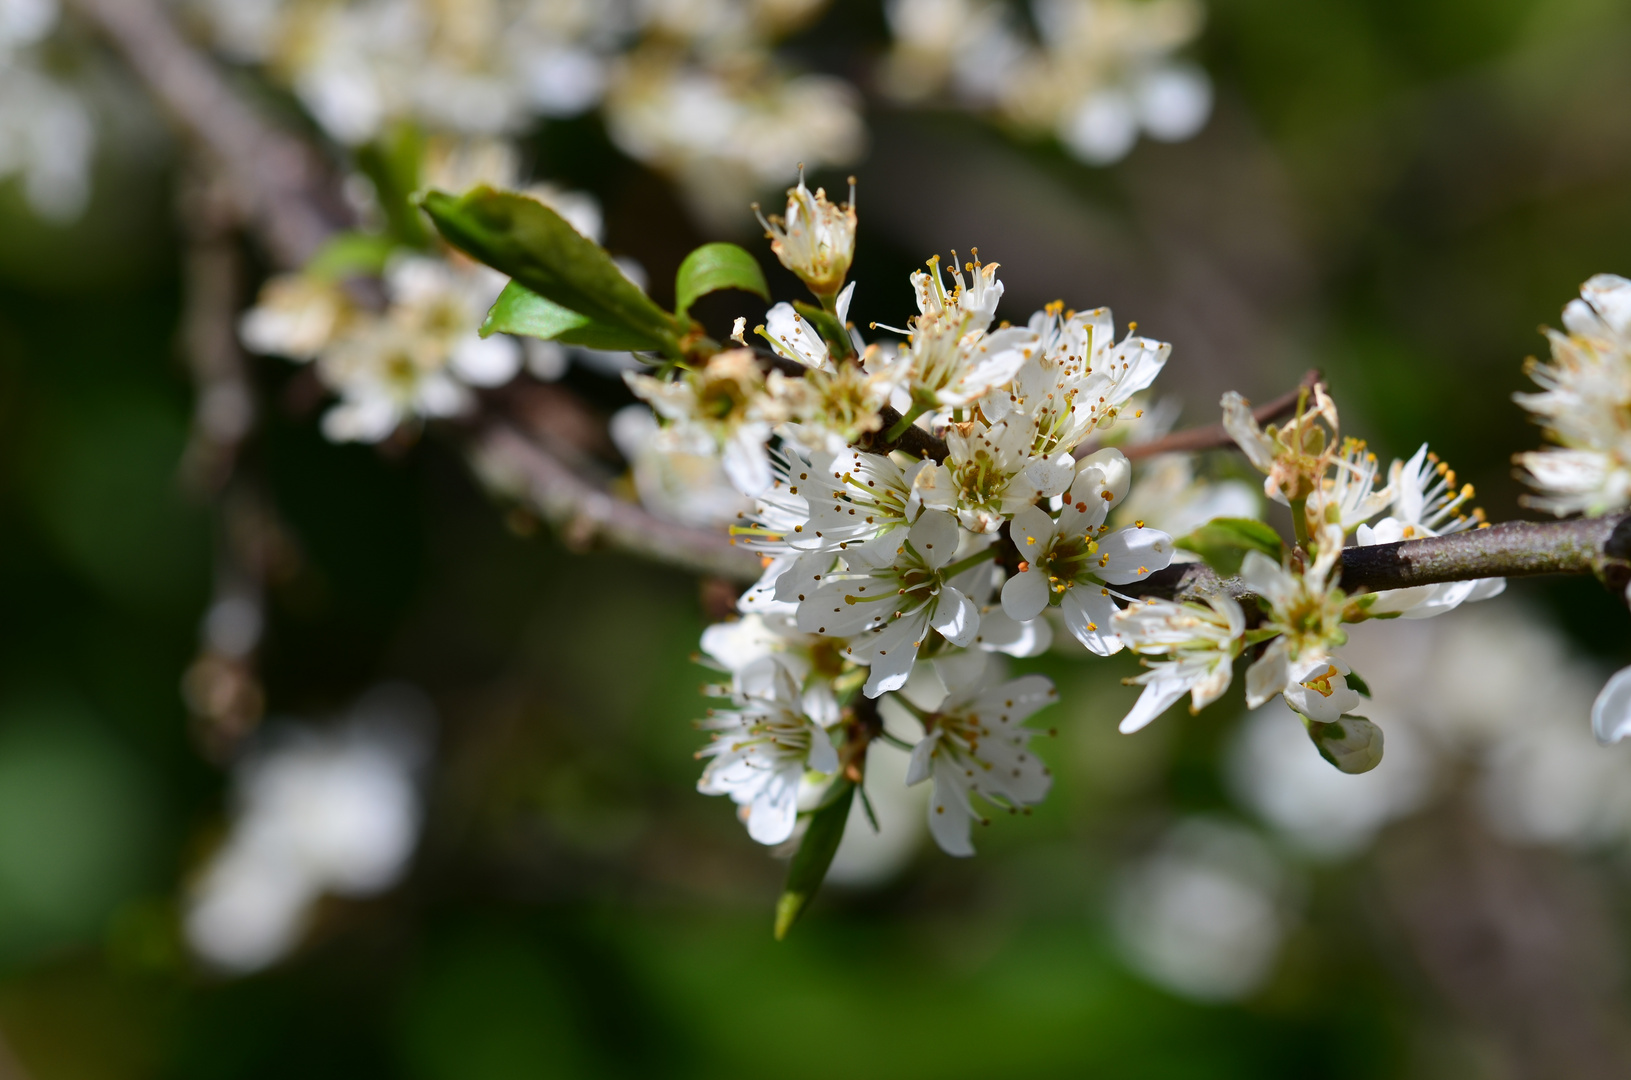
(814,855)
(392,162)
(535,246)
(350,253)
(712,267)
(519,310)
(1223,543)
(827,325)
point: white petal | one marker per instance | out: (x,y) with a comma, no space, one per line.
(956,617)
(746,461)
(935,538)
(841,306)
(1089,615)
(822,757)
(1025,595)
(490,361)
(1269,674)
(921,765)
(950,816)
(1130,555)
(1032,531)
(773,814)
(1102,471)
(1000,633)
(1611,712)
(1159,695)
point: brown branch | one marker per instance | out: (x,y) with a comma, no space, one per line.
(1213,437)
(1600,546)
(584,514)
(279,182)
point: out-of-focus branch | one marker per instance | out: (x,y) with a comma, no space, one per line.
(1600,546)
(584,514)
(1213,437)
(277,181)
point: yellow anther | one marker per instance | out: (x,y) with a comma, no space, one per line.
(1321,683)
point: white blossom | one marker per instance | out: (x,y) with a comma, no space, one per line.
(1584,405)
(1305,607)
(761,750)
(1425,502)
(723,405)
(888,611)
(977,744)
(1073,560)
(1201,641)
(815,239)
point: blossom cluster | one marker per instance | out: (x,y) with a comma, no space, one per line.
(1095,75)
(413,352)
(695,90)
(1584,405)
(894,580)
(1335,490)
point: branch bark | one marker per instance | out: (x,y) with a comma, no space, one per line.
(1600,546)
(584,514)
(279,182)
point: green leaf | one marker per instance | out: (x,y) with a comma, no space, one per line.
(1223,543)
(827,325)
(351,253)
(712,267)
(392,161)
(535,246)
(814,856)
(519,310)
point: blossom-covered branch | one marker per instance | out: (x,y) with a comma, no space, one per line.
(1600,546)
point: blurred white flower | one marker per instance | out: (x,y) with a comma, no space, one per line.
(1205,914)
(47,136)
(673,481)
(1168,497)
(1097,74)
(727,137)
(317,812)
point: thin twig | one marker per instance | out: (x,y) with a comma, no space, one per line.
(278,180)
(585,514)
(1214,437)
(1600,546)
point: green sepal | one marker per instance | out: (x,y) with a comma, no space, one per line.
(814,855)
(350,254)
(1224,542)
(712,267)
(1357,683)
(535,246)
(519,310)
(827,325)
(393,162)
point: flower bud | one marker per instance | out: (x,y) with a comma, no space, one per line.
(816,240)
(1352,743)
